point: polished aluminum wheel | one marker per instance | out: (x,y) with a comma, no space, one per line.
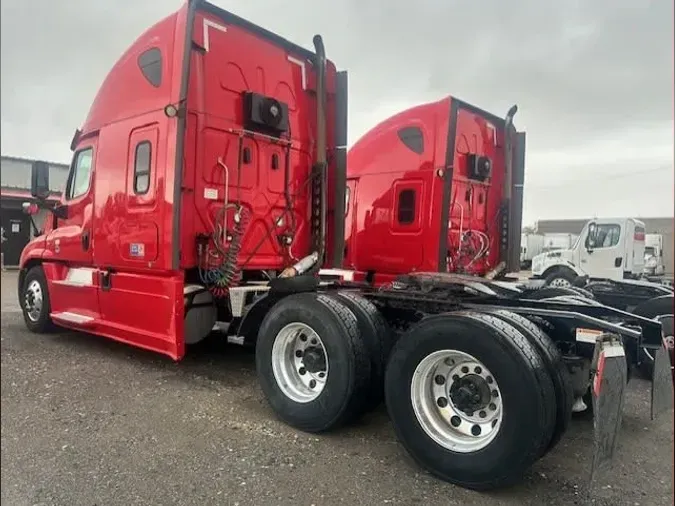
(33,300)
(560,283)
(457,401)
(299,362)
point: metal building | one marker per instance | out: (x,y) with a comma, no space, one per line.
(664,226)
(15,174)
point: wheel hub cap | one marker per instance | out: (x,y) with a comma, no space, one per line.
(33,301)
(314,359)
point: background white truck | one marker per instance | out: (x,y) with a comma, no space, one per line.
(608,248)
(654,255)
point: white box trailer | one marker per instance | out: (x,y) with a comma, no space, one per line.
(557,241)
(530,246)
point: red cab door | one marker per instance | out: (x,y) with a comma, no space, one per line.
(72,279)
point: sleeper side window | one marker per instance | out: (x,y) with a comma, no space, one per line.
(142,161)
(406,207)
(80,176)
(150,63)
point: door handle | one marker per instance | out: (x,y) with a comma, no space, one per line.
(85,240)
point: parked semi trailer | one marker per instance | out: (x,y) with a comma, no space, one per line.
(530,246)
(208,185)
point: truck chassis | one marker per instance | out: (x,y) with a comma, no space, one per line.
(478,383)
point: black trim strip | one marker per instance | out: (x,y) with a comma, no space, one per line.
(233,19)
(180,133)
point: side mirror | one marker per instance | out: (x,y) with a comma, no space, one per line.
(30,208)
(592,236)
(39,180)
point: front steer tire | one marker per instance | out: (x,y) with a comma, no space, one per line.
(348,374)
(514,362)
(35,279)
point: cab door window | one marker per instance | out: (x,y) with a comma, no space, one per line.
(80,176)
(606,236)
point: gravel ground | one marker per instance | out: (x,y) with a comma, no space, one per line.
(86,421)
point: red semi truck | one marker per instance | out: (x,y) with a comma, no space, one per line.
(208,185)
(403,216)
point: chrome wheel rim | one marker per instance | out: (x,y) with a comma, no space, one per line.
(457,401)
(299,362)
(33,300)
(560,283)
(668,338)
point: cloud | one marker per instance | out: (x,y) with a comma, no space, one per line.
(593,80)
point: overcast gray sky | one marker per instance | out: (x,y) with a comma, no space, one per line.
(593,79)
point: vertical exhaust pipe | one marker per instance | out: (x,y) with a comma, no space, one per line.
(319,190)
(509,243)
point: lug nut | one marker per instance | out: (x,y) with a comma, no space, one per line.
(492,406)
(455,421)
(314,342)
(475,430)
(442,402)
(312,384)
(455,377)
(298,353)
(303,338)
(482,414)
(439,379)
(495,394)
(302,371)
(465,369)
(489,380)
(477,370)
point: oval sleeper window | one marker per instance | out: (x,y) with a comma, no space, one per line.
(413,138)
(150,63)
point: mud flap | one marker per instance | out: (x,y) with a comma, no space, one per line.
(608,392)
(662,383)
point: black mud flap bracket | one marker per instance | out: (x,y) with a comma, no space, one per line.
(608,390)
(662,383)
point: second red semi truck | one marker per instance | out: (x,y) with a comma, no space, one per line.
(208,185)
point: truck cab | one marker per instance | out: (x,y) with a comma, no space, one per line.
(436,188)
(607,248)
(208,147)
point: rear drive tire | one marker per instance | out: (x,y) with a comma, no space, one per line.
(377,337)
(556,368)
(426,417)
(312,363)
(35,304)
(661,308)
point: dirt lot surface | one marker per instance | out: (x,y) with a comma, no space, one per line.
(86,421)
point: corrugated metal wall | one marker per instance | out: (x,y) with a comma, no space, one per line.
(15,173)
